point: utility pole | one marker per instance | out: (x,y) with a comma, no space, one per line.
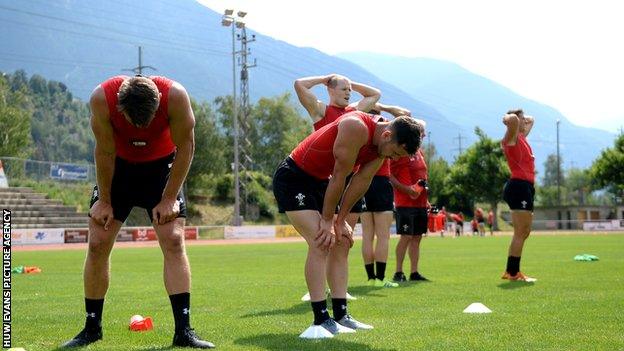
(229,19)
(139,69)
(246,147)
(429,148)
(459,138)
(558,168)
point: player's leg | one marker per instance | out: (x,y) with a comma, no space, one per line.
(519,197)
(383,221)
(368,236)
(400,251)
(420,227)
(96,273)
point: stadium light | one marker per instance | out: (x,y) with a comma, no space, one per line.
(228,19)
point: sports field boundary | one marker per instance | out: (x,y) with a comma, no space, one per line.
(223,242)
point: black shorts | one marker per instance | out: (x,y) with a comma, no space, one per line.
(519,194)
(411,220)
(380,196)
(295,190)
(139,184)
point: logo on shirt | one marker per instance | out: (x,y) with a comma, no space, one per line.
(138,143)
(524,203)
(300,198)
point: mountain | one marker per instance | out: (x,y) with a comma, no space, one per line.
(83,42)
(472,100)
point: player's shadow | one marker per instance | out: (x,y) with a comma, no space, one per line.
(299,308)
(293,342)
(365,290)
(515,285)
(149,348)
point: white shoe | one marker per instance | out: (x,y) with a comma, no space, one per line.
(350,323)
(316,332)
(350,297)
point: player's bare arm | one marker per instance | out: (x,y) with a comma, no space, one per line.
(102,211)
(527,125)
(396,111)
(352,135)
(303,88)
(513,126)
(360,182)
(370,96)
(406,189)
(181,123)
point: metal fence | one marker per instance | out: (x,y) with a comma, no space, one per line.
(19,168)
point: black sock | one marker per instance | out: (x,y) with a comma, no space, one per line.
(94,313)
(513,265)
(181,306)
(381,270)
(339,306)
(370,270)
(319,308)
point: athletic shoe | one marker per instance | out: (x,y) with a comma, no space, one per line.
(350,297)
(335,328)
(385,283)
(399,277)
(84,338)
(417,277)
(519,277)
(188,338)
(351,323)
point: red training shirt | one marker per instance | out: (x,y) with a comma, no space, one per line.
(140,144)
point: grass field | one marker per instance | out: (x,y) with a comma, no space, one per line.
(246,297)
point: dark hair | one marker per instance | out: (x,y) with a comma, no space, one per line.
(138,98)
(517,112)
(406,132)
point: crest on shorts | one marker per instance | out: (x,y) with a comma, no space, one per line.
(405,227)
(300,198)
(524,203)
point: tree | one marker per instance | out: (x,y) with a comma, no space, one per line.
(480,173)
(278,128)
(15,138)
(438,170)
(608,169)
(550,171)
(209,158)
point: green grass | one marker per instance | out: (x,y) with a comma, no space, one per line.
(246,297)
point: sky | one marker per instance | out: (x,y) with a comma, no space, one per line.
(566,54)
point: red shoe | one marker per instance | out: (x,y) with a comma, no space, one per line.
(519,277)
